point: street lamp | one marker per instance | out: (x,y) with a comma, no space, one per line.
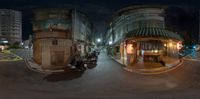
(110,42)
(98,40)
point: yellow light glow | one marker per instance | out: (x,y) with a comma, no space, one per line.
(156,51)
(165,45)
(170,44)
(129,48)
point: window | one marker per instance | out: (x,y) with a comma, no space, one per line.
(55,42)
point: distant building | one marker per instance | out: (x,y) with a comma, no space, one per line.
(59,35)
(10,26)
(137,35)
(27,44)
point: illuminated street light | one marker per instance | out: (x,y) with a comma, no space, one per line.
(110,42)
(98,40)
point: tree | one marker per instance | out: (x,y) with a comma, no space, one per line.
(16,45)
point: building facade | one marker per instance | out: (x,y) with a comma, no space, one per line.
(10,26)
(137,35)
(199,28)
(59,35)
(82,33)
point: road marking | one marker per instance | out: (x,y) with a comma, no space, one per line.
(5,57)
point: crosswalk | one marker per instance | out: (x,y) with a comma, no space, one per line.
(193,56)
(24,53)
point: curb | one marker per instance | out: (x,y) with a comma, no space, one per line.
(197,60)
(41,71)
(158,72)
(116,60)
(150,73)
(30,68)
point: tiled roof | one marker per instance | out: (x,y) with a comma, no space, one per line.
(153,32)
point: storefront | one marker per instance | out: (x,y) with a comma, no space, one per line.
(151,45)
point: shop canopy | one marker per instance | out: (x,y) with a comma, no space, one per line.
(151,45)
(153,32)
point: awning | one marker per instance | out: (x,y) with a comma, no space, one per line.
(151,45)
(153,32)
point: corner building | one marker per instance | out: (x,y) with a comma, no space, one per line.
(59,35)
(137,38)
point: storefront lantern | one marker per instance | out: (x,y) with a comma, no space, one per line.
(165,45)
(129,49)
(156,51)
(179,45)
(170,44)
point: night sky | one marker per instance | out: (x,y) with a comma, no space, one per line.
(182,14)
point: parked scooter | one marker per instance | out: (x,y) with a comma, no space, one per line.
(78,63)
(91,58)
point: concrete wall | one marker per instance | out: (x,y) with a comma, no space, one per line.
(55,31)
(45,52)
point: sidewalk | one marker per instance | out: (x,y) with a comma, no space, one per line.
(37,68)
(151,67)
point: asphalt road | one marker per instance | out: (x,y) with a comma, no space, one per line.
(24,53)
(107,80)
